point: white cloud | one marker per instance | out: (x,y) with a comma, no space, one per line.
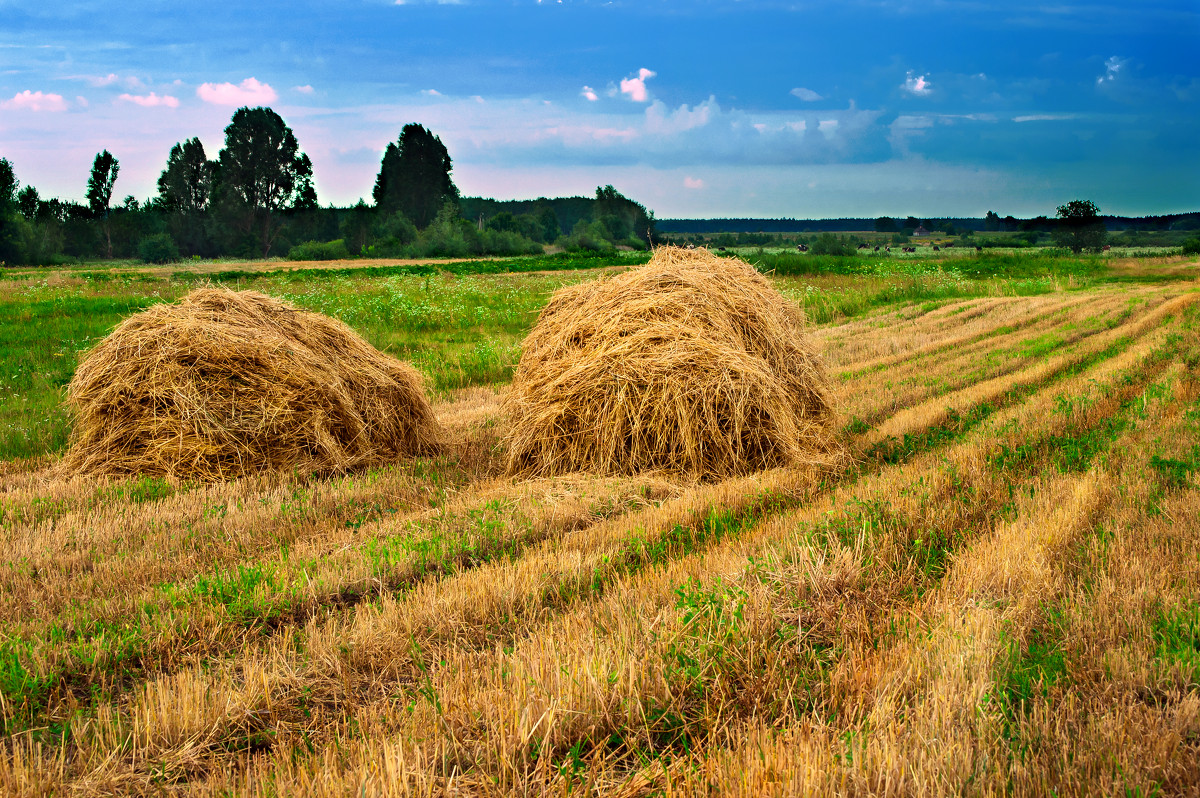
(305,89)
(590,93)
(663,122)
(1043,117)
(916,84)
(808,95)
(1112,70)
(636,87)
(431,92)
(478,98)
(150,100)
(83,103)
(248,92)
(111,79)
(694,183)
(34,101)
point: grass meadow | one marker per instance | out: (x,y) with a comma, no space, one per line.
(999,595)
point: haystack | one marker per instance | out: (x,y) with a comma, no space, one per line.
(225,383)
(692,364)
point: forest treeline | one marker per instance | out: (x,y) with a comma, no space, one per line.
(256,199)
(991,223)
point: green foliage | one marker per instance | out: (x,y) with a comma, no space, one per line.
(158,248)
(100,183)
(314,250)
(1176,634)
(185,186)
(587,236)
(1080,227)
(261,173)
(1191,247)
(830,244)
(414,176)
(1031,669)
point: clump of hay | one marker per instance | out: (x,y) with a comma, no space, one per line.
(228,383)
(692,363)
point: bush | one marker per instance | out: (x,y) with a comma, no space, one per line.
(1191,246)
(158,248)
(315,250)
(829,244)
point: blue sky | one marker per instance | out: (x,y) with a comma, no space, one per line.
(697,109)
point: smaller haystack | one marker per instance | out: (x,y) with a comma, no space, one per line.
(692,363)
(226,383)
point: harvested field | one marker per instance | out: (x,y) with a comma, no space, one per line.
(997,596)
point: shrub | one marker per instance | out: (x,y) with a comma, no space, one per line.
(829,244)
(158,248)
(1191,246)
(315,250)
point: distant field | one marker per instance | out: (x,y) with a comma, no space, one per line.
(1000,595)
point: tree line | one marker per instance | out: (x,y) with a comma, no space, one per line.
(257,199)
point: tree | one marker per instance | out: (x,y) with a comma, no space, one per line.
(99,192)
(1080,226)
(185,190)
(621,216)
(414,176)
(885,224)
(29,203)
(11,227)
(185,186)
(261,173)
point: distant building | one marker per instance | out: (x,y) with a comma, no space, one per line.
(921,231)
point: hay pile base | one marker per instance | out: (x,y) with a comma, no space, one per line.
(691,363)
(225,384)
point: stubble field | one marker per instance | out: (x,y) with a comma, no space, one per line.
(1000,595)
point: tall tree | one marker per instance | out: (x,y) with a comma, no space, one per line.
(185,186)
(414,177)
(184,192)
(623,217)
(99,192)
(1080,226)
(10,221)
(262,173)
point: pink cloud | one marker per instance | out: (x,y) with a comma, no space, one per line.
(34,101)
(590,93)
(693,182)
(636,87)
(248,92)
(917,85)
(150,100)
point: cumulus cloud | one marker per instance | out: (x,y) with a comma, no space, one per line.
(916,84)
(693,183)
(431,92)
(248,92)
(662,121)
(34,101)
(808,95)
(150,100)
(305,89)
(636,87)
(590,93)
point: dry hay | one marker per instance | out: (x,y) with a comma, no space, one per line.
(692,364)
(227,383)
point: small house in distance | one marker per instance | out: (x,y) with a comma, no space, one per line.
(921,231)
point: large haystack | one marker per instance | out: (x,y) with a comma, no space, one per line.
(691,363)
(225,383)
